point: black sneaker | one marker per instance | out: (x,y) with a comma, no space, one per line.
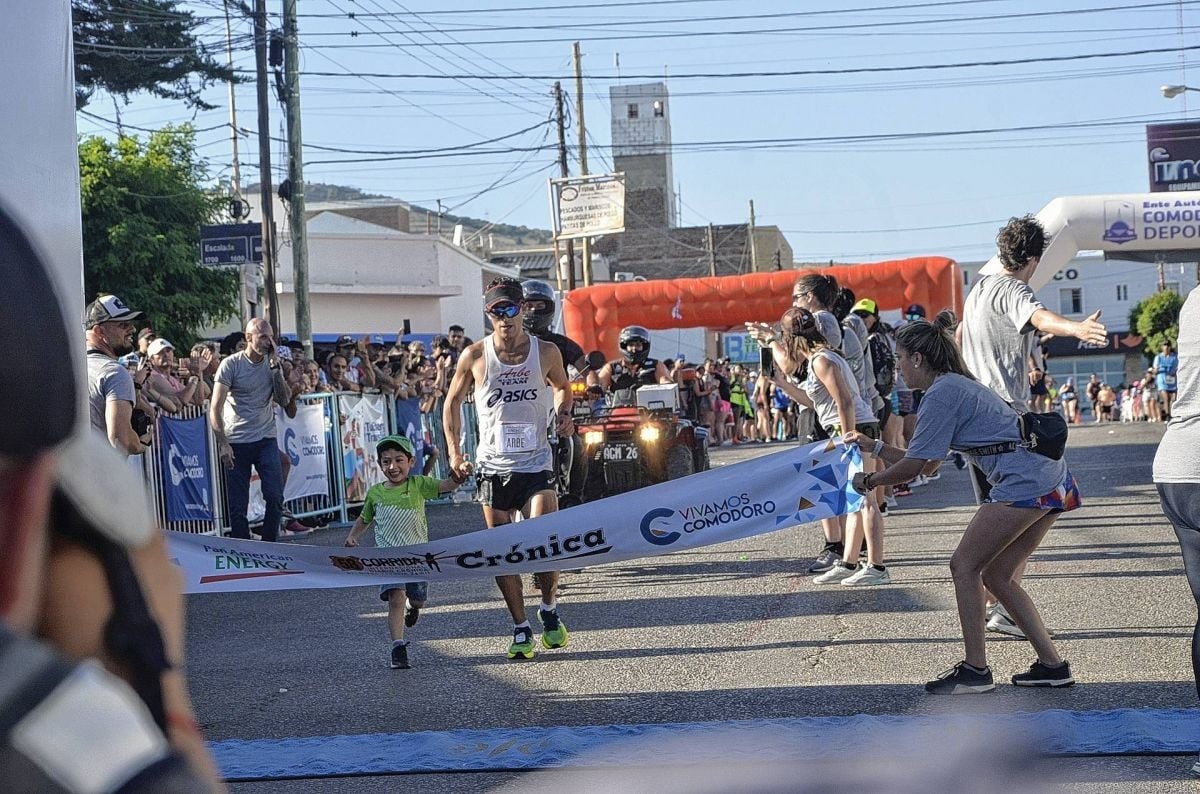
(400,656)
(961,679)
(825,561)
(411,616)
(1041,675)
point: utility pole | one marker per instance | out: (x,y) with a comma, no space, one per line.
(265,191)
(248,271)
(753,247)
(583,166)
(291,62)
(439,223)
(563,172)
(712,252)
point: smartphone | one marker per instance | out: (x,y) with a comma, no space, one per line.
(186,363)
(766,362)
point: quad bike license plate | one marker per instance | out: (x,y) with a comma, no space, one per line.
(621,452)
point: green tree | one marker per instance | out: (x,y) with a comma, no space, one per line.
(127,46)
(143,204)
(1156,320)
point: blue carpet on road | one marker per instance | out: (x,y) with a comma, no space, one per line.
(1053,732)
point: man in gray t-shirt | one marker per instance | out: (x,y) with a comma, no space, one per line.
(1002,314)
(111,392)
(242,414)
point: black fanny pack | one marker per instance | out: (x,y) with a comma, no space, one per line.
(1045,434)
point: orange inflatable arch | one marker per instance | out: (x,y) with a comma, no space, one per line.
(594,316)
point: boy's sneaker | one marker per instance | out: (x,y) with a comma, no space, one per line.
(400,656)
(554,631)
(522,644)
(825,561)
(411,616)
(835,574)
(867,575)
(962,679)
(1041,675)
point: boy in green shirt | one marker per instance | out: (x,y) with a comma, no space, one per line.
(395,509)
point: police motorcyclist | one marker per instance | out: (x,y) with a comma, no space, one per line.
(539,304)
(538,297)
(622,376)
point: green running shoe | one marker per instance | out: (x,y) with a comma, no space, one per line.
(522,644)
(554,631)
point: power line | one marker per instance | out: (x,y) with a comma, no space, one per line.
(786,73)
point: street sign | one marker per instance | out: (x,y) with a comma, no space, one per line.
(230,244)
(587,206)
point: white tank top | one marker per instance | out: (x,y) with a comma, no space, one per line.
(513,403)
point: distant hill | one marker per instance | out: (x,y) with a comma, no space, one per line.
(504,235)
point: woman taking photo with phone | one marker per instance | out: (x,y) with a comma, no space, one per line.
(1029,491)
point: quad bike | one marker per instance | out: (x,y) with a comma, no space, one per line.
(630,447)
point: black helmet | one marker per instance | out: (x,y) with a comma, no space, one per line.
(538,322)
(628,334)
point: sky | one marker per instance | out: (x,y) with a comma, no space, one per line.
(865,130)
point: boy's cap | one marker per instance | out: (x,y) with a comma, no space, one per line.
(400,441)
(107,309)
(42,416)
(158,346)
(866,306)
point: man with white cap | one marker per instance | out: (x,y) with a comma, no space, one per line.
(166,381)
(66,723)
(111,389)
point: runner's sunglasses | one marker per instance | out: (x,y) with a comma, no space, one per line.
(504,310)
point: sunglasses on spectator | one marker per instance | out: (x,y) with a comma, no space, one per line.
(504,310)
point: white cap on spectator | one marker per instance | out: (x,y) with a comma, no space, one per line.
(158,346)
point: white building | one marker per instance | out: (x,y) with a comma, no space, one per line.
(1087,283)
(366,277)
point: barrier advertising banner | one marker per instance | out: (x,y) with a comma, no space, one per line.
(184,462)
(408,424)
(792,487)
(364,423)
(302,439)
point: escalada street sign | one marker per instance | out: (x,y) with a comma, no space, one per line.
(230,244)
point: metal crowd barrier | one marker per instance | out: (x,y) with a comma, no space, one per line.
(335,502)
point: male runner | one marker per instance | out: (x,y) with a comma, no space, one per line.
(509,372)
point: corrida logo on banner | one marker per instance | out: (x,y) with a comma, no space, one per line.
(662,526)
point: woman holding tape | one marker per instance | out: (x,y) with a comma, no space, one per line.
(830,389)
(1029,491)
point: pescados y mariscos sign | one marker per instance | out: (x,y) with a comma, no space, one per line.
(762,495)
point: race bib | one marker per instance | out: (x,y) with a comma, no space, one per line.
(517,437)
(1168,380)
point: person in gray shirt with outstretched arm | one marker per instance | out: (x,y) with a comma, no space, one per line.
(242,413)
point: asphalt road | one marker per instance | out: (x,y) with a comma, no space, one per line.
(726,632)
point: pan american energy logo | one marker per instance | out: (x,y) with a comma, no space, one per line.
(663,526)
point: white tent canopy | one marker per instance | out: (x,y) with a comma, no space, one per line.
(1130,226)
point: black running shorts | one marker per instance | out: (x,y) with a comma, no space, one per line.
(513,491)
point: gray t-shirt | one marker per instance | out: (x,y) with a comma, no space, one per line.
(107,380)
(998,336)
(1176,459)
(856,345)
(827,413)
(959,413)
(249,414)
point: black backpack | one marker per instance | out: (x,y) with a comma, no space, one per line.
(884,362)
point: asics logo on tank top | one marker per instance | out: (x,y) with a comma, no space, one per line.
(497,396)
